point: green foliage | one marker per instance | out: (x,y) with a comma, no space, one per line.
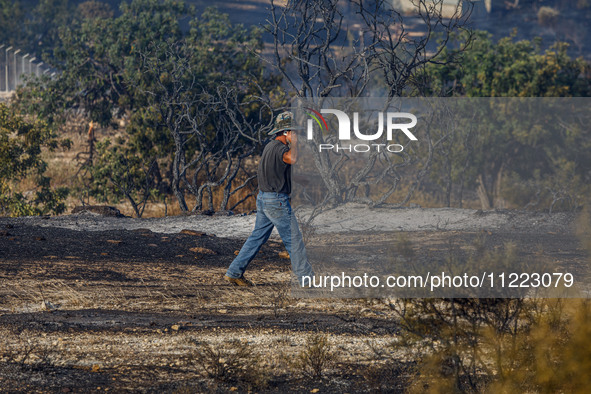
(118,172)
(99,62)
(511,68)
(21,144)
(223,51)
(34,26)
(11,20)
(43,25)
(123,67)
(94,9)
(507,137)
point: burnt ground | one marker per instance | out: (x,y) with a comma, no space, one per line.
(133,310)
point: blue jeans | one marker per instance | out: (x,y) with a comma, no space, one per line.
(273,209)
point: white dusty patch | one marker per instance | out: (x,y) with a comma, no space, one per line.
(347,218)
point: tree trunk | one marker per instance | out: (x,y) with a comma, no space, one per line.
(485,201)
(499,202)
(176,181)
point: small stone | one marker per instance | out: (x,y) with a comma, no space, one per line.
(193,232)
(49,306)
(201,250)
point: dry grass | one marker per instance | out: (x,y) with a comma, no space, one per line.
(316,357)
(63,169)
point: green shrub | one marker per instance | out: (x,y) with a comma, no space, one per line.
(21,144)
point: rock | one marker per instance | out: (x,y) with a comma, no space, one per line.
(142,230)
(103,210)
(49,306)
(283,255)
(193,232)
(223,213)
(201,250)
(207,212)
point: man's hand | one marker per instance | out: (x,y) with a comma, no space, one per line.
(290,157)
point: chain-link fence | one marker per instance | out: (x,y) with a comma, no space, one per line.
(15,65)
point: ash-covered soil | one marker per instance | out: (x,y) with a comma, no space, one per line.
(117,304)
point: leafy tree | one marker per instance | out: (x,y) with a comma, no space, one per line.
(43,24)
(118,172)
(21,144)
(94,9)
(11,20)
(125,67)
(485,159)
(98,57)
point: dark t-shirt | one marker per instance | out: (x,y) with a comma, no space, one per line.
(274,175)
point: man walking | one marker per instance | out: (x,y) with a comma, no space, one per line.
(273,206)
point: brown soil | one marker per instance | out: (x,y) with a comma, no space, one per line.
(123,310)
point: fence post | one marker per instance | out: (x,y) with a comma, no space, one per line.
(30,71)
(23,69)
(3,63)
(7,84)
(15,75)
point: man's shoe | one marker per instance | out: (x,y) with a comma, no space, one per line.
(238,281)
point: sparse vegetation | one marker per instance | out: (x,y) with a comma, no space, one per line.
(234,361)
(316,357)
(21,144)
